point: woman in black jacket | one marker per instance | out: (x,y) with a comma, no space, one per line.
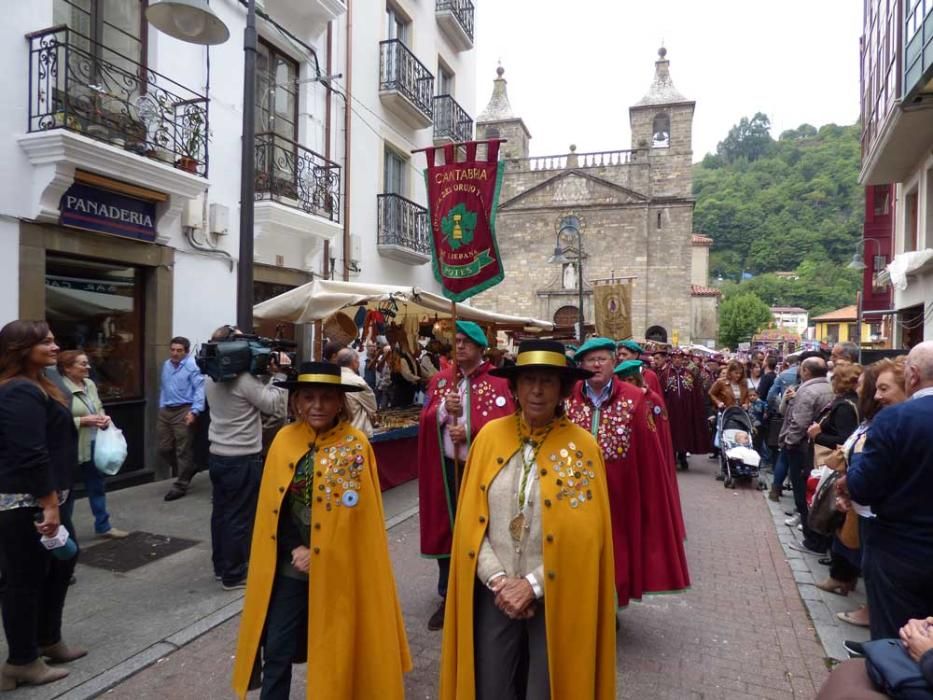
(834,427)
(38,447)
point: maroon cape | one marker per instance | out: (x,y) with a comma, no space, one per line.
(487,398)
(683,394)
(654,384)
(663,423)
(649,553)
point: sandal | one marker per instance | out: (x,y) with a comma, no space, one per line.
(831,585)
(853,617)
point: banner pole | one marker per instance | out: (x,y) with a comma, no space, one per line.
(456,368)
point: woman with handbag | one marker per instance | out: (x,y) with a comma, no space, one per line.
(38,448)
(838,422)
(88,413)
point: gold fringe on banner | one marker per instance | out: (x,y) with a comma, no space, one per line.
(613,309)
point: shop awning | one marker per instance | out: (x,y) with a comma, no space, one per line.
(319,299)
(64,304)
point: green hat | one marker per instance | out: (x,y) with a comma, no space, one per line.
(473,332)
(595,344)
(628,368)
(630,344)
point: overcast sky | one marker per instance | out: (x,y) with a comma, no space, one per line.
(574,68)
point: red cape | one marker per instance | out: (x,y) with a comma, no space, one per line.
(649,553)
(663,423)
(487,398)
(683,394)
(654,384)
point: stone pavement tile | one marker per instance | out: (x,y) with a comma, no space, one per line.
(741,630)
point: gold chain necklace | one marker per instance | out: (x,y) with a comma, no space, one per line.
(517,525)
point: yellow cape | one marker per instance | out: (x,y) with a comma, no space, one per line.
(579,586)
(356,639)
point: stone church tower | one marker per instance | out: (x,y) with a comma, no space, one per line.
(635,210)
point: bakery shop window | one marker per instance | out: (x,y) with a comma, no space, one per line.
(97,307)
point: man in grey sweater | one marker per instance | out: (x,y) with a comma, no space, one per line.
(805,404)
(235,463)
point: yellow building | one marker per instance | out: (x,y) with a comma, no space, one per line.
(839,326)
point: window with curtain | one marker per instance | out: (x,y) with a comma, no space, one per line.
(112,30)
(276,92)
(394,174)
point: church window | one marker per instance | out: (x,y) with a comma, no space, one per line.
(661,131)
(659,221)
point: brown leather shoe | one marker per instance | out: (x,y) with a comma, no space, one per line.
(774,494)
(60,652)
(35,673)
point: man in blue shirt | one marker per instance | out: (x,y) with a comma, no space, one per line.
(181,401)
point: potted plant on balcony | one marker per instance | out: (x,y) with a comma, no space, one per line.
(193,143)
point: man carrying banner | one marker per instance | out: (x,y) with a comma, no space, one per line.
(454,412)
(648,546)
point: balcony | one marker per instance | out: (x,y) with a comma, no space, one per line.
(405,85)
(451,122)
(404,230)
(455,18)
(312,14)
(297,192)
(84,87)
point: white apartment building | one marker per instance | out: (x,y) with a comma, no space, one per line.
(119,195)
(791,317)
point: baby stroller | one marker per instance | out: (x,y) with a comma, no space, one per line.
(738,458)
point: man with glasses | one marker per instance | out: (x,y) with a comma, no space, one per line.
(649,553)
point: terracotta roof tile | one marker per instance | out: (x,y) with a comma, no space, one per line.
(700,239)
(846,313)
(697,290)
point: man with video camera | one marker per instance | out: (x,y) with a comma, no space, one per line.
(235,465)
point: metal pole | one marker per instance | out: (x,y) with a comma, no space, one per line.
(580,318)
(244,282)
(858,322)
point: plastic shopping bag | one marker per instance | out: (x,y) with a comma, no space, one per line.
(109,450)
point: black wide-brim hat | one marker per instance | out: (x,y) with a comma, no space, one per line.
(318,374)
(538,355)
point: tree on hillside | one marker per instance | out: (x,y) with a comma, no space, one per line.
(749,139)
(740,317)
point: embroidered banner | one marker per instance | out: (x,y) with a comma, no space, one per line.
(613,309)
(462,201)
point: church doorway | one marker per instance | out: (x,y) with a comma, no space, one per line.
(656,333)
(566,316)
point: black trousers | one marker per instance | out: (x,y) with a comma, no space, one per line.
(34,586)
(443,563)
(798,466)
(510,656)
(283,642)
(235,489)
(898,588)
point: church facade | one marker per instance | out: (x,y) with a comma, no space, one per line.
(634,211)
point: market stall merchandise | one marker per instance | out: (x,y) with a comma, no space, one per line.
(404,307)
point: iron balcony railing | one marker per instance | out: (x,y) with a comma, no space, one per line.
(462,10)
(451,121)
(403,223)
(296,176)
(83,86)
(399,70)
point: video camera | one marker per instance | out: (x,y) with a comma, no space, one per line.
(224,360)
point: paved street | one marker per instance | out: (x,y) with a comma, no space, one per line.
(741,632)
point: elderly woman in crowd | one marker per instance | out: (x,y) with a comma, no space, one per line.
(38,449)
(531,601)
(89,417)
(320,584)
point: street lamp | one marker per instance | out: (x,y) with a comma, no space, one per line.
(571,225)
(193,21)
(858,263)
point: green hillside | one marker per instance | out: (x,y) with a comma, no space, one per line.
(787,205)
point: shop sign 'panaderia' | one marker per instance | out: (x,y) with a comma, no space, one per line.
(96,209)
(462,199)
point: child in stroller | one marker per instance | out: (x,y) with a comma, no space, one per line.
(738,457)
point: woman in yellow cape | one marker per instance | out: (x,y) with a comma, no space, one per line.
(531,578)
(320,584)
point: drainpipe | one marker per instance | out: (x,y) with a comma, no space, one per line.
(347,143)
